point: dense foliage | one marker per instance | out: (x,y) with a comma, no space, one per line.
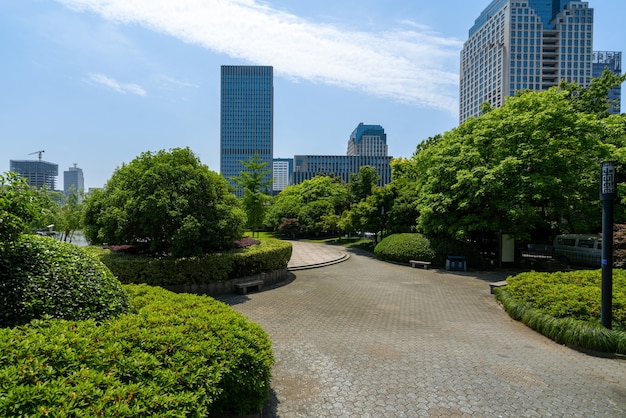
(18,208)
(411,246)
(175,356)
(309,205)
(270,255)
(41,277)
(167,200)
(531,164)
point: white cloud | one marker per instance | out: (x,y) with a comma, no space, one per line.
(116,86)
(413,65)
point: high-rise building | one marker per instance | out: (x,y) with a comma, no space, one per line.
(368,140)
(73,177)
(282,171)
(613,61)
(308,166)
(524,45)
(38,173)
(247,118)
(367,146)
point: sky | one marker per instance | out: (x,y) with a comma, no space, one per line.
(97,82)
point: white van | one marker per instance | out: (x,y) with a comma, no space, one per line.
(583,250)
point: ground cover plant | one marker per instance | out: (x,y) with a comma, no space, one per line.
(174,355)
(565,306)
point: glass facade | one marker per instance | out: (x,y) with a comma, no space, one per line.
(247,117)
(524,45)
(613,61)
(368,140)
(73,177)
(308,166)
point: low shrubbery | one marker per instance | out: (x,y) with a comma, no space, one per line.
(566,307)
(405,247)
(270,255)
(41,277)
(174,355)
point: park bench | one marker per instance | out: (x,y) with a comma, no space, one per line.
(242,288)
(493,285)
(424,264)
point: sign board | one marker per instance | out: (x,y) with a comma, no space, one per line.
(608,181)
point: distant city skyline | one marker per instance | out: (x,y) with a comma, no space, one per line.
(98,82)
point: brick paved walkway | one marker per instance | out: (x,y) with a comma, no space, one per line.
(365,338)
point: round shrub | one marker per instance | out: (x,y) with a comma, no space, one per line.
(405,247)
(42,277)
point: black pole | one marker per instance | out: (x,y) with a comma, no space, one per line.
(607,196)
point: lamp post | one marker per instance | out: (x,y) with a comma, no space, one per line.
(608,194)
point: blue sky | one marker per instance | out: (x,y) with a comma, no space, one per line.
(97,82)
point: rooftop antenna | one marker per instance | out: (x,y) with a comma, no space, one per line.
(38,152)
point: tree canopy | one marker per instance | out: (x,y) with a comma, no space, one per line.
(313,205)
(168,201)
(530,164)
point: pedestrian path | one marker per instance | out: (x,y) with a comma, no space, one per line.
(306,255)
(365,338)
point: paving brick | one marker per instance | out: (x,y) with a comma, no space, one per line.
(368,338)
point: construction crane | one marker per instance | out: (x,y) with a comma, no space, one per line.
(38,152)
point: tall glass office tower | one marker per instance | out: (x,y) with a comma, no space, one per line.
(247,118)
(524,45)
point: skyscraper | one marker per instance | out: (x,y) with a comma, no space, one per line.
(247,117)
(524,44)
(613,61)
(73,177)
(368,140)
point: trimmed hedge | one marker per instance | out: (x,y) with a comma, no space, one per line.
(566,307)
(175,356)
(406,246)
(42,277)
(270,255)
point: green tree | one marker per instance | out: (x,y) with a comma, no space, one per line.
(310,204)
(362,184)
(18,207)
(255,182)
(594,98)
(530,164)
(168,201)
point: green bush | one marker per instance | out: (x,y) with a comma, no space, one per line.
(405,247)
(41,277)
(575,294)
(566,307)
(270,255)
(175,355)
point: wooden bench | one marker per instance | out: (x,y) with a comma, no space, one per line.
(493,285)
(415,263)
(242,288)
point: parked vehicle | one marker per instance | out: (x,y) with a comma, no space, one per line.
(577,249)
